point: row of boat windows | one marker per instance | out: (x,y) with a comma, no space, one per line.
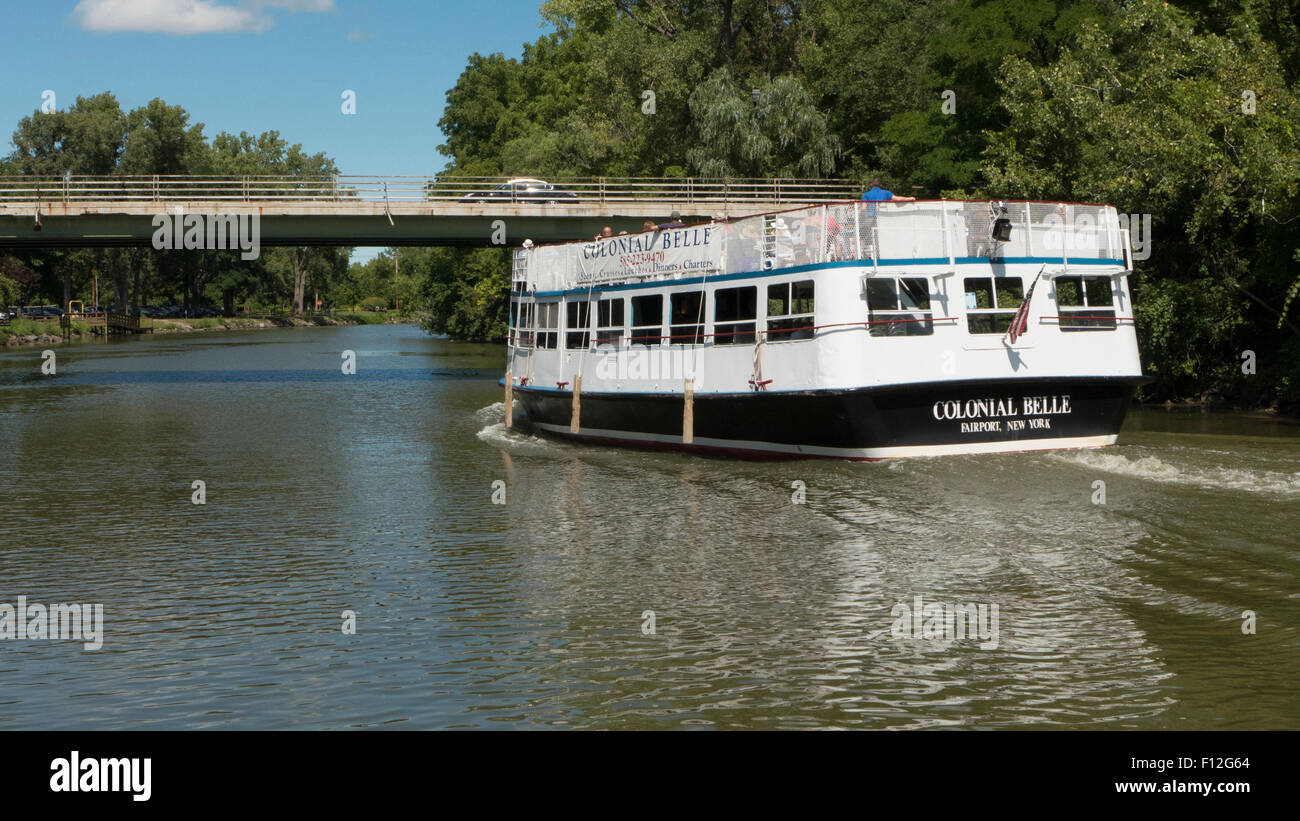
(900,306)
(789,316)
(896,306)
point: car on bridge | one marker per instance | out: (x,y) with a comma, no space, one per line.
(523,189)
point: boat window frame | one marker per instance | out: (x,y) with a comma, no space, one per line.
(636,338)
(997,312)
(581,329)
(546,337)
(1085,316)
(698,336)
(914,321)
(739,331)
(522,317)
(607,334)
(801,324)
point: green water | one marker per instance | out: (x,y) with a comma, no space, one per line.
(373,493)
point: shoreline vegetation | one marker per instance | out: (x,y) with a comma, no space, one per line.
(1182,114)
(31,333)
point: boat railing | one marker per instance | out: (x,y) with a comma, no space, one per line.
(928,232)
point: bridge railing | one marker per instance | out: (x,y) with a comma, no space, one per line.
(440,188)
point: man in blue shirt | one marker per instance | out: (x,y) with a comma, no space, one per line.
(878,194)
(674,221)
(875,195)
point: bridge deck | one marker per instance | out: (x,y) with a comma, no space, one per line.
(349,211)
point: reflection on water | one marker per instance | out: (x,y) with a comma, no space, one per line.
(373,493)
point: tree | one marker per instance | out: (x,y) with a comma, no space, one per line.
(1150,115)
(774,131)
(467,292)
(87,138)
(160,140)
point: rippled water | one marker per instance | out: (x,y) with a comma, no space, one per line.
(373,493)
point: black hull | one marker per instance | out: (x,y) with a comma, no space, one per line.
(980,416)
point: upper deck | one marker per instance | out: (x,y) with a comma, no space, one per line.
(873,233)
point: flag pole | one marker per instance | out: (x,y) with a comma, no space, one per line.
(1020,322)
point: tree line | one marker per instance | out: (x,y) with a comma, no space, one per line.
(94,136)
(1188,111)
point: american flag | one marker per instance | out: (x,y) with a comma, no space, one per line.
(1020,322)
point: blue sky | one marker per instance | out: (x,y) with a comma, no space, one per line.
(258,65)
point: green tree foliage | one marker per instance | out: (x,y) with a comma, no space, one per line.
(773,131)
(87,138)
(160,140)
(1150,115)
(467,292)
(1132,102)
(94,137)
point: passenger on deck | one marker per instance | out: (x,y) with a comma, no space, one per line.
(870,238)
(674,221)
(878,194)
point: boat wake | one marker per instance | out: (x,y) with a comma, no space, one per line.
(517,439)
(1209,477)
(496,412)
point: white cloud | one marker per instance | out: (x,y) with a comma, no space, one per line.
(300,5)
(186,17)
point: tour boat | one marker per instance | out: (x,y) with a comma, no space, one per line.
(861,330)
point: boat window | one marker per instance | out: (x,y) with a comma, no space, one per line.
(1085,303)
(577,321)
(790,311)
(687,314)
(647,319)
(609,322)
(734,312)
(547,322)
(524,325)
(991,302)
(899,306)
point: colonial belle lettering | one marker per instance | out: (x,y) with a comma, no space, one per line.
(1006,407)
(635,243)
(671,251)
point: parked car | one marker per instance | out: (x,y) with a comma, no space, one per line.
(523,189)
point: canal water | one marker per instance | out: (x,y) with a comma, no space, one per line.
(1150,585)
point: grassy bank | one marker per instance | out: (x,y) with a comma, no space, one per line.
(19,331)
(367,317)
(209,323)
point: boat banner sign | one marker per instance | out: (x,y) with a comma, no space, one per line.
(693,249)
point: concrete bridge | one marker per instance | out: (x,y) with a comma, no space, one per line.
(82,211)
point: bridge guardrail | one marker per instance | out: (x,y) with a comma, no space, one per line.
(438,188)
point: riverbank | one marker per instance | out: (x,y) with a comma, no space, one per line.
(32,333)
